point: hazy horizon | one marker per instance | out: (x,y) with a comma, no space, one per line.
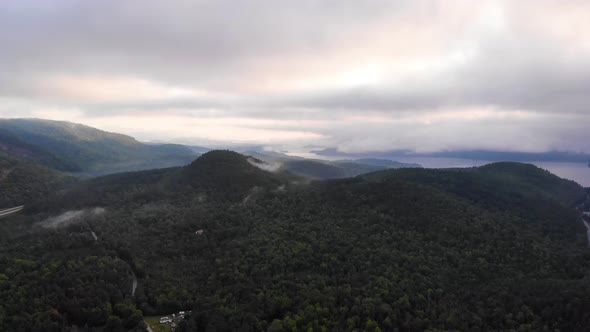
(356,76)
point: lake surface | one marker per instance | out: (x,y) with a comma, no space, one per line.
(579,172)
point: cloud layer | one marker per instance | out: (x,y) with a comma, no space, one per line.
(357,75)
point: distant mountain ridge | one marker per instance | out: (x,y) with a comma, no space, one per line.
(77,148)
(80,149)
(383,163)
(328,169)
(485,155)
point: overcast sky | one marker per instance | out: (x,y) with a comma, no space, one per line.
(356,75)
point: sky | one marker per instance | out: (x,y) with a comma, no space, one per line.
(294,75)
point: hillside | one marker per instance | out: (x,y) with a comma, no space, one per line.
(219,177)
(77,148)
(323,170)
(525,190)
(22,182)
(246,249)
(232,176)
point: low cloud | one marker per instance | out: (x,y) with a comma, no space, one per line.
(265,166)
(71,217)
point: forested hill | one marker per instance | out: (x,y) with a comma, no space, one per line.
(77,148)
(526,191)
(232,176)
(23,182)
(217,177)
(327,170)
(251,250)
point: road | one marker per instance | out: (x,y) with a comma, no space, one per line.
(585,218)
(149,328)
(587,230)
(134,285)
(10,211)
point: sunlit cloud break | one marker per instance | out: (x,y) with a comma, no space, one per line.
(356,76)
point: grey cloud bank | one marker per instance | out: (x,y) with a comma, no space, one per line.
(358,76)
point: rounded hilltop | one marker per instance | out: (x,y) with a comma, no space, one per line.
(232,173)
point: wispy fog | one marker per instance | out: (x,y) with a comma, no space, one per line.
(71,217)
(265,166)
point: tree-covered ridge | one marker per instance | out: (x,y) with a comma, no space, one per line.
(325,170)
(398,250)
(524,190)
(214,177)
(78,148)
(12,146)
(231,176)
(23,182)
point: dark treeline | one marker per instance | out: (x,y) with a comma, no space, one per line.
(499,248)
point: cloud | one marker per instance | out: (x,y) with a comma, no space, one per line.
(110,89)
(421,75)
(265,166)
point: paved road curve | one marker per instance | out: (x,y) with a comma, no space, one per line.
(585,218)
(10,211)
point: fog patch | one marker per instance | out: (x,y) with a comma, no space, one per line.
(265,166)
(252,194)
(71,217)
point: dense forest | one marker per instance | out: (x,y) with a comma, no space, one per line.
(499,247)
(22,181)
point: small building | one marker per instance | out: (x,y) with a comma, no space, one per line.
(165,320)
